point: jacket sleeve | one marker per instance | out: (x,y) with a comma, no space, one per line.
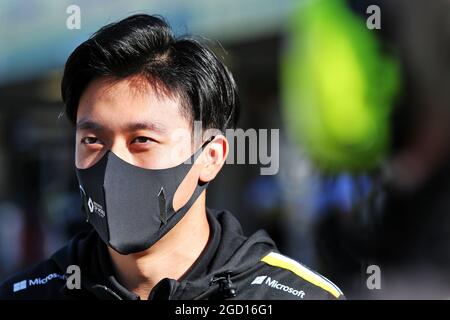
(309,284)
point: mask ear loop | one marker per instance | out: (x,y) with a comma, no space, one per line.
(200,187)
(202,148)
(198,190)
(207,142)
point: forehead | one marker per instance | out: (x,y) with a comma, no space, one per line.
(114,103)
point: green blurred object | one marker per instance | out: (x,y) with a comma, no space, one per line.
(338,88)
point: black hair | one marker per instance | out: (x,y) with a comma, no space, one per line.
(145,45)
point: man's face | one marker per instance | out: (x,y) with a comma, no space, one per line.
(142,127)
(129,118)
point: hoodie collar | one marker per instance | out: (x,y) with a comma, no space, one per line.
(165,287)
(226,254)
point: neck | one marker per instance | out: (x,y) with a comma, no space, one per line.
(170,257)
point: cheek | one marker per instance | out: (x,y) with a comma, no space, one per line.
(178,151)
(78,157)
(80,153)
(81,160)
(84,159)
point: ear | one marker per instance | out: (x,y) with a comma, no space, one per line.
(213,158)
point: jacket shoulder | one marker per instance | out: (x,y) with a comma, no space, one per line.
(284,273)
(42,281)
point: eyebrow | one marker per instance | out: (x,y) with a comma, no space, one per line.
(88,125)
(132,126)
(146,125)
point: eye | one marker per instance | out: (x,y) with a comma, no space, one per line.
(142,140)
(90,140)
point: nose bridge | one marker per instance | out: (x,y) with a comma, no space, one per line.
(120,149)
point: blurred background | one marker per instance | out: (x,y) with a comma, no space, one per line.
(361,98)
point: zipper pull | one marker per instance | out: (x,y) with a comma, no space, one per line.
(226,287)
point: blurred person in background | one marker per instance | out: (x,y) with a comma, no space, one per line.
(382,198)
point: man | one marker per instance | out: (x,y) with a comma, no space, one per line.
(133,91)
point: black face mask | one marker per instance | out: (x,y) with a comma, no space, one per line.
(131,207)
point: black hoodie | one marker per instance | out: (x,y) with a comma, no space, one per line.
(230,267)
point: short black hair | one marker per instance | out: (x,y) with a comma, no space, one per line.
(145,45)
